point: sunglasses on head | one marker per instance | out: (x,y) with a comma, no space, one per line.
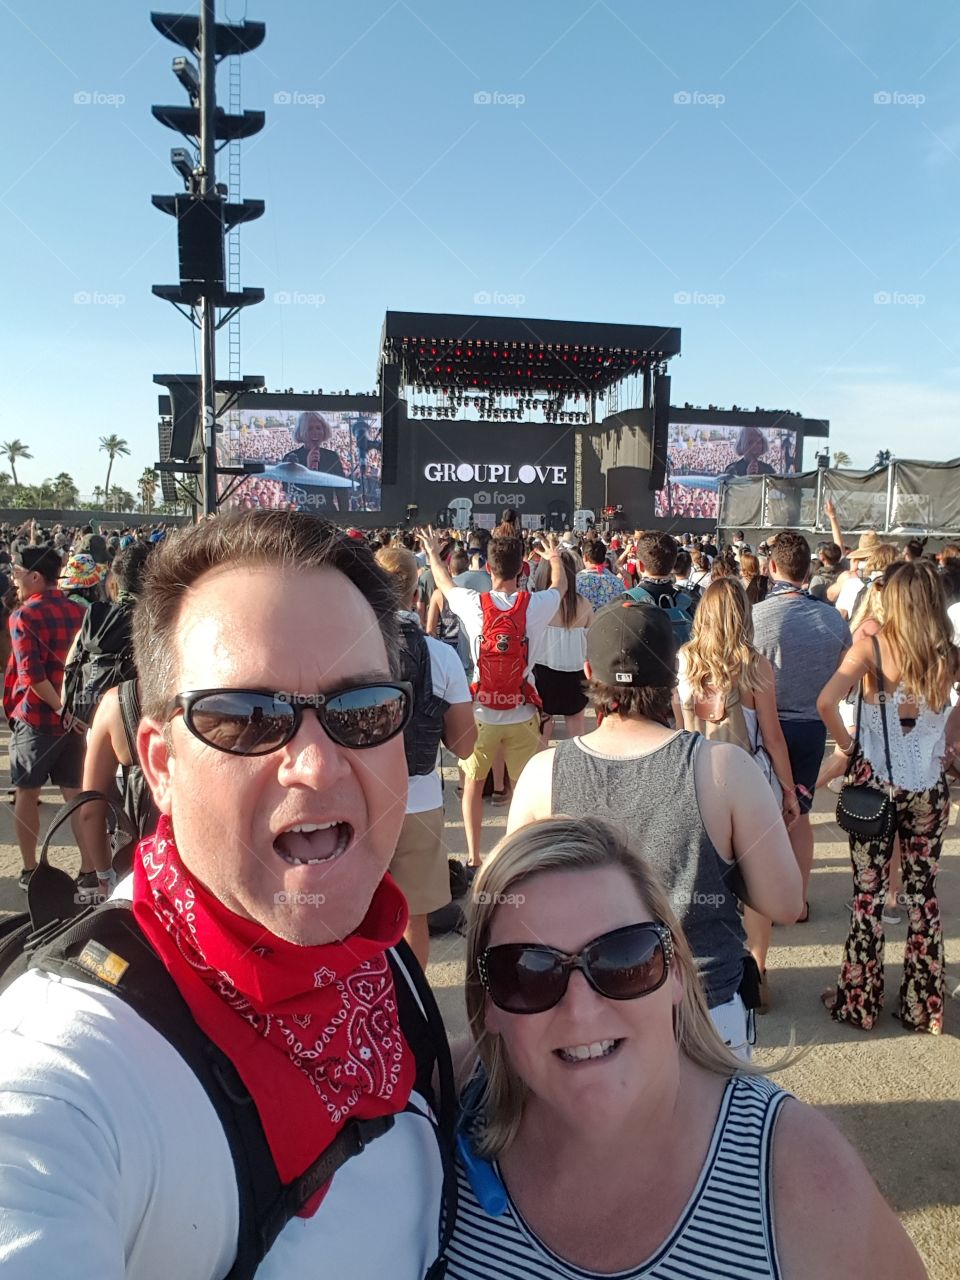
(628,963)
(254,722)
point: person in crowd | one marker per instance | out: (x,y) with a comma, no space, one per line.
(724,565)
(803,640)
(265,894)
(913,549)
(755,583)
(726,691)
(908,733)
(475,577)
(81,580)
(558,672)
(657,559)
(595,582)
(751,445)
(700,569)
(830,559)
(601,1084)
(846,586)
(704,816)
(42,749)
(313,432)
(507,718)
(441,623)
(445,715)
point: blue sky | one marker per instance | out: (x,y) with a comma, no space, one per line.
(791,169)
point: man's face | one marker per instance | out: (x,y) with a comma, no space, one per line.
(28,582)
(299,632)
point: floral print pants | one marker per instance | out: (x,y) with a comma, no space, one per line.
(921,820)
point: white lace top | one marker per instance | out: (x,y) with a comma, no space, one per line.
(915,754)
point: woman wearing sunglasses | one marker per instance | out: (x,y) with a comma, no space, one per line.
(607,1129)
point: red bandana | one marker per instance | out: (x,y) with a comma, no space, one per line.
(312,1031)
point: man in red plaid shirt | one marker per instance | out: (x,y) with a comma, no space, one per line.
(41,633)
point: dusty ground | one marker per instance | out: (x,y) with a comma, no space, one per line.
(895,1096)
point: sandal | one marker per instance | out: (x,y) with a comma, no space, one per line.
(764,1005)
(805,916)
(828,998)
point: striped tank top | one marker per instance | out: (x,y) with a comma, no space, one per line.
(724,1233)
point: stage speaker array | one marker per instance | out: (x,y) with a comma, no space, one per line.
(661,431)
(390,418)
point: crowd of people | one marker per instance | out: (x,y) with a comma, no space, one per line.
(263,949)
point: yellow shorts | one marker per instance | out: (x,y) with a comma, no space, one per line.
(519,742)
(419,864)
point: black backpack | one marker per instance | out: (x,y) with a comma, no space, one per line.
(103,946)
(103,658)
(421,737)
(138,801)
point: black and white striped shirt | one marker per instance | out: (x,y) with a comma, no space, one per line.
(724,1233)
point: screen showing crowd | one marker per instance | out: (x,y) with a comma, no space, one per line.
(300,448)
(700,456)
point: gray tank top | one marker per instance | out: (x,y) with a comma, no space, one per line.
(654,798)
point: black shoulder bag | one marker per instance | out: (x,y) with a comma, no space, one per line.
(862,810)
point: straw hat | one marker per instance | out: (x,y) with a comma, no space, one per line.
(865,547)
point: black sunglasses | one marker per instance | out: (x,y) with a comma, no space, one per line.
(622,965)
(254,722)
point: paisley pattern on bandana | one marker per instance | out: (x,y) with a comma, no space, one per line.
(313,1031)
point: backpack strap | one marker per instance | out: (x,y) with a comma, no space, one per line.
(129,697)
(106,948)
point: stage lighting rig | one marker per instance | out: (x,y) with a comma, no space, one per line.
(181,161)
(188,75)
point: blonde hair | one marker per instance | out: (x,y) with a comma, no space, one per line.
(881,557)
(869,606)
(571,844)
(720,653)
(918,631)
(402,566)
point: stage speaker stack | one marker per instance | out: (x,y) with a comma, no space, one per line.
(390,419)
(661,429)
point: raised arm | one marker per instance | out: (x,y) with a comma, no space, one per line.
(830,511)
(430,541)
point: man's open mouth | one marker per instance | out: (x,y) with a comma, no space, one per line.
(312,843)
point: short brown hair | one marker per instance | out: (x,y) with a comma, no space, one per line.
(657,553)
(285,540)
(791,551)
(402,566)
(504,557)
(650,701)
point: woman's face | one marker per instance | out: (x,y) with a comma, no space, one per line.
(316,433)
(566,910)
(753,445)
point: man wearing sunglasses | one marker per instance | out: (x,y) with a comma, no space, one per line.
(272,742)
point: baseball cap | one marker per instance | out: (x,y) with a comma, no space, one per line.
(632,643)
(40,560)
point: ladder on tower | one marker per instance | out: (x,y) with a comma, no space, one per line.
(233,237)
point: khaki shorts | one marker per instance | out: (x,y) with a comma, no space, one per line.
(519,742)
(419,865)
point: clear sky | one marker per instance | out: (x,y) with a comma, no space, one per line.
(779,178)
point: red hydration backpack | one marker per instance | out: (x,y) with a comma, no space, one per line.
(501,682)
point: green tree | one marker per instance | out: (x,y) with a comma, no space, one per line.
(147,484)
(841,459)
(119,499)
(65,492)
(99,495)
(13,450)
(113,447)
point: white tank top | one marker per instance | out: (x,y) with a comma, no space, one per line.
(915,754)
(563,648)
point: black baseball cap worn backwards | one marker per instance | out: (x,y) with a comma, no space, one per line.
(631,643)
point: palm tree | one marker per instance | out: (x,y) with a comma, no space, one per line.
(98,494)
(147,484)
(65,492)
(12,450)
(113,446)
(841,459)
(119,499)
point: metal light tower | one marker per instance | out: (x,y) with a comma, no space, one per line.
(203,214)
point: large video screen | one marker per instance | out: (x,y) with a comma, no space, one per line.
(699,456)
(307,445)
